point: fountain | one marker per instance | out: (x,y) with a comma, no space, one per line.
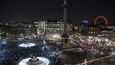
(34,61)
(27,44)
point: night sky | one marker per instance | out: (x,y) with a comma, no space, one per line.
(33,10)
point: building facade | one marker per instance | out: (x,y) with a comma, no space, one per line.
(52,28)
(17,29)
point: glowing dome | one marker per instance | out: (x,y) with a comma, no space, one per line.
(85,21)
(25,61)
(27,44)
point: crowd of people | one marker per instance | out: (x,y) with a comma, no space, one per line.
(14,53)
(95,46)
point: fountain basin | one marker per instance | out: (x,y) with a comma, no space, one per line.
(40,61)
(27,44)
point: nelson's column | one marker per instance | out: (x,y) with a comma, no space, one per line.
(65,33)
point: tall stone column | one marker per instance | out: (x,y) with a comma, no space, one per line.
(65,33)
(65,16)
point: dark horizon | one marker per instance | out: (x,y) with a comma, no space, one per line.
(78,10)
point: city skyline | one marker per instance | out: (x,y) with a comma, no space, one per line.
(78,10)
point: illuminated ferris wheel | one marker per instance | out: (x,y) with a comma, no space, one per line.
(100,21)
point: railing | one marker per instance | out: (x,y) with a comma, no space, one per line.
(95,61)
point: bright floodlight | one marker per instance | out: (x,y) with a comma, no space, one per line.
(44,41)
(27,44)
(25,61)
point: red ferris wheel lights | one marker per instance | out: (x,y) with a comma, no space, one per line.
(98,17)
